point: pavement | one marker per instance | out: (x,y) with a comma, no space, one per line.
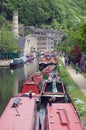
(79,79)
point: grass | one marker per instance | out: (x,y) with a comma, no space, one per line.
(78,98)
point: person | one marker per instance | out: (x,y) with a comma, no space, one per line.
(30,94)
(50,101)
(76,68)
(60,54)
(65,61)
(69,61)
(58,78)
(32,78)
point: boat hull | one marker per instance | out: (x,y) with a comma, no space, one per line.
(42,66)
(12,65)
(17,62)
(53,98)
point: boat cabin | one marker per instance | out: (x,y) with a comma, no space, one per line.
(48,69)
(33,83)
(20,114)
(62,116)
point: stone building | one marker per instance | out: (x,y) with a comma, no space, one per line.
(46,38)
(30,44)
(40,40)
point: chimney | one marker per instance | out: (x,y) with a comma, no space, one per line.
(15,23)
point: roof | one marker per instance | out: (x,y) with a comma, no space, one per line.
(48,69)
(62,116)
(18,118)
(32,83)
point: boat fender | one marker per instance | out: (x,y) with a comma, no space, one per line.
(16,102)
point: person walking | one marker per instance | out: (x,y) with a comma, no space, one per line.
(76,68)
(66,61)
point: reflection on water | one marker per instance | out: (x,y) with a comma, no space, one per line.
(11,81)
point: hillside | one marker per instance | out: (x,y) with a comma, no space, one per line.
(63,14)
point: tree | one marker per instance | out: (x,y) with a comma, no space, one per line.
(8,41)
(75,54)
(81,39)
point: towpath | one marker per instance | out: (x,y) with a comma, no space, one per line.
(79,79)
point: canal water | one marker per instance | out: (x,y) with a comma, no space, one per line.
(11,81)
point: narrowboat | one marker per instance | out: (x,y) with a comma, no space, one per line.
(43,63)
(16,63)
(33,83)
(53,60)
(20,114)
(48,69)
(53,91)
(62,116)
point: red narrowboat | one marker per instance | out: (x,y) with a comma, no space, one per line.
(43,63)
(62,116)
(48,69)
(33,83)
(20,114)
(53,61)
(53,90)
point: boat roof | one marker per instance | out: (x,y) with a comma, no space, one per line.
(62,116)
(31,87)
(37,76)
(20,117)
(32,83)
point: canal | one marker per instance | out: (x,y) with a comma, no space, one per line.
(11,81)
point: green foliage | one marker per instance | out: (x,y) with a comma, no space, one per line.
(8,41)
(56,13)
(27,32)
(81,37)
(76,36)
(66,15)
(2,20)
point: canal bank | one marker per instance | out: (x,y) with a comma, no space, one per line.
(76,87)
(5,63)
